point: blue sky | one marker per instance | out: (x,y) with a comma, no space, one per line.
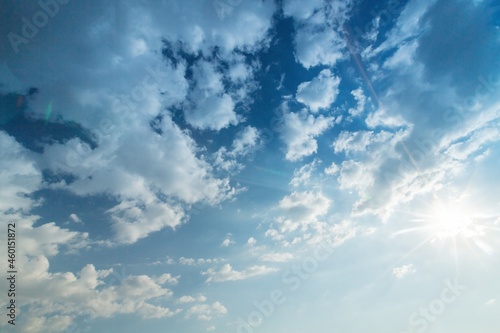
(251,166)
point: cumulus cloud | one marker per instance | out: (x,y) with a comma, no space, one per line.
(360,99)
(143,186)
(228,273)
(191,299)
(54,296)
(332,169)
(247,141)
(228,241)
(301,209)
(318,40)
(122,91)
(212,107)
(200,261)
(206,311)
(302,175)
(251,241)
(129,85)
(299,131)
(324,48)
(186,299)
(167,278)
(20,176)
(133,222)
(320,92)
(277,257)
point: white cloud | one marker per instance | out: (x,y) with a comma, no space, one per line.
(133,222)
(227,273)
(187,261)
(300,209)
(375,176)
(276,257)
(191,299)
(57,297)
(115,92)
(444,110)
(301,10)
(403,58)
(474,143)
(53,299)
(167,278)
(302,175)
(318,48)
(402,271)
(75,218)
(187,299)
(360,99)
(251,241)
(354,174)
(408,25)
(380,117)
(228,241)
(317,41)
(212,107)
(274,234)
(319,93)
(143,185)
(332,169)
(491,302)
(206,311)
(200,261)
(247,141)
(299,131)
(359,141)
(20,176)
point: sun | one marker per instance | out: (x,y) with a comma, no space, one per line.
(454,219)
(447,220)
(462,222)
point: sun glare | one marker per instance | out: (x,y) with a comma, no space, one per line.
(455,220)
(448,221)
(459,224)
